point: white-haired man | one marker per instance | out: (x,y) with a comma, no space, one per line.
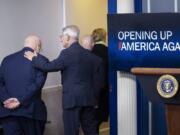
(81,71)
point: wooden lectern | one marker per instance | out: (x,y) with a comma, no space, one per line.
(151,80)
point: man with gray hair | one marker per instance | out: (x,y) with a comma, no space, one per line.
(81,71)
(22,112)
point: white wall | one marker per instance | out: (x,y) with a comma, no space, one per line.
(18,18)
(87,14)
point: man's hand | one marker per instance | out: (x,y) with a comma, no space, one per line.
(11,103)
(29,55)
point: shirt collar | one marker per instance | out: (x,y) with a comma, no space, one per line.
(28,49)
(100,42)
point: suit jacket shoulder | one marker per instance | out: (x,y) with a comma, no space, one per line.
(9,57)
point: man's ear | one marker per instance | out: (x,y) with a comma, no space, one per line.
(67,37)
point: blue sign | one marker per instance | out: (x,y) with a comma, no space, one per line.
(144,40)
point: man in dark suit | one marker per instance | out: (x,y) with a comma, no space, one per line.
(81,72)
(22,112)
(100,49)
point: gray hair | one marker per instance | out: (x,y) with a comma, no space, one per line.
(72,31)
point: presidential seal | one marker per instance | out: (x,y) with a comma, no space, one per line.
(167,86)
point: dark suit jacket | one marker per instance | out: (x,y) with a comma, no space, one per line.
(19,79)
(102,51)
(81,72)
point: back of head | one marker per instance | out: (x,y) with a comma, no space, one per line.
(33,42)
(99,34)
(87,42)
(72,31)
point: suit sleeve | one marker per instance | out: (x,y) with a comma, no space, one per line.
(53,66)
(3,92)
(33,88)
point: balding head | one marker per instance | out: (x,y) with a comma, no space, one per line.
(33,42)
(87,42)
